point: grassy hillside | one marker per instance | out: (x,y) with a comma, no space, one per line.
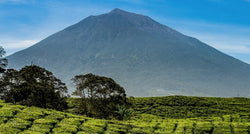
(188,107)
(183,106)
(148,118)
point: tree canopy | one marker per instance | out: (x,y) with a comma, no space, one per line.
(33,86)
(100,95)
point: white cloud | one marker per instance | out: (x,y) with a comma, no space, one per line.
(234,49)
(226,43)
(18,43)
(13,45)
(230,44)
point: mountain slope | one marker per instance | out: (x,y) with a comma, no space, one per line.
(145,57)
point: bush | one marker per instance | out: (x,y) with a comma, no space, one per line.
(30,113)
(18,123)
(6,129)
(65,129)
(46,121)
(43,128)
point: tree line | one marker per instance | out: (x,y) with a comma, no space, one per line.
(32,85)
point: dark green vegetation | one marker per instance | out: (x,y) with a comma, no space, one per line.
(182,106)
(145,57)
(33,86)
(33,120)
(100,96)
(190,107)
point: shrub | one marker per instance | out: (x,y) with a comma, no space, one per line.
(44,128)
(7,129)
(65,128)
(221,128)
(30,132)
(46,121)
(18,123)
(30,113)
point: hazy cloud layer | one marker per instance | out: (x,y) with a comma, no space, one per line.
(13,45)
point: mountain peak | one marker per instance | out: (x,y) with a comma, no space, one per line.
(117,11)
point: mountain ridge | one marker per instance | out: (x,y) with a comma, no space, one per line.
(144,56)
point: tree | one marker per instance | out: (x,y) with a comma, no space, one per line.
(3,61)
(9,82)
(33,86)
(100,95)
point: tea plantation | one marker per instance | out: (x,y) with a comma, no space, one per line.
(181,107)
(190,107)
(159,115)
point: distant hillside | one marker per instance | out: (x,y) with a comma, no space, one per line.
(142,55)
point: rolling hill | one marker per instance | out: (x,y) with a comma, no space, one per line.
(154,119)
(142,55)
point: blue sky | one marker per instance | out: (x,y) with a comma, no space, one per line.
(223,24)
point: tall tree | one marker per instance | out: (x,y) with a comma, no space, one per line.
(100,95)
(3,61)
(33,86)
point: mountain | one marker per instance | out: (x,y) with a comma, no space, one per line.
(142,55)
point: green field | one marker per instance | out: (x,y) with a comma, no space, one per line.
(160,115)
(181,107)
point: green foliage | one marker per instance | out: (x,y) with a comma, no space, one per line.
(46,121)
(67,125)
(124,113)
(116,128)
(6,129)
(241,128)
(65,129)
(41,128)
(9,111)
(33,86)
(30,113)
(3,120)
(188,107)
(203,127)
(99,96)
(93,126)
(166,127)
(34,120)
(30,132)
(222,128)
(70,121)
(55,115)
(18,123)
